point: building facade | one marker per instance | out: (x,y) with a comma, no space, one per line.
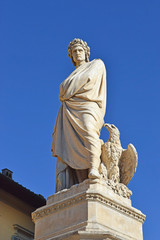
(16,205)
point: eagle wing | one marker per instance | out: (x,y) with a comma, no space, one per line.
(128,164)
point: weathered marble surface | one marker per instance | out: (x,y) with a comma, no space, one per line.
(76,142)
(80,152)
(90,210)
(118,164)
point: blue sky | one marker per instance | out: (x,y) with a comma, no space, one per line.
(33,62)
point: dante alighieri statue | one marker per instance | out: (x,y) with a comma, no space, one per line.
(76,142)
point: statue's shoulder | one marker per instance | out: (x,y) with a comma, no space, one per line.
(99,63)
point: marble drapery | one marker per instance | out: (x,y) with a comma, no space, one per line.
(83,102)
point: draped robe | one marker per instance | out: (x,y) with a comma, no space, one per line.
(80,118)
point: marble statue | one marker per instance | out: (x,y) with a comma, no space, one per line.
(80,153)
(76,142)
(95,201)
(120,164)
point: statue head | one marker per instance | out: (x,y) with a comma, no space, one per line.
(78,43)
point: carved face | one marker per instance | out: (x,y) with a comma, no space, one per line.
(78,54)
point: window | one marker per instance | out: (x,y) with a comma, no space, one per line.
(22,233)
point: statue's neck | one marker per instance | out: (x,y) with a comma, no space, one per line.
(78,64)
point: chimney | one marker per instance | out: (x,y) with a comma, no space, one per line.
(6,172)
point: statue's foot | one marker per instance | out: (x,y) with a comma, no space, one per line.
(93,174)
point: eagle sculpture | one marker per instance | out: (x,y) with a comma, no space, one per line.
(120,163)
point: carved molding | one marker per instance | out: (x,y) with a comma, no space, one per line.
(107,235)
(97,197)
(87,197)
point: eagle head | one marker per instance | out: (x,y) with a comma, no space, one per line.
(113,130)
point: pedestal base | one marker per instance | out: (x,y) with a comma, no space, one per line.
(90,210)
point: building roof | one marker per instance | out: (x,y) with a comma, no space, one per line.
(24,194)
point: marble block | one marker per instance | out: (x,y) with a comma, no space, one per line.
(90,210)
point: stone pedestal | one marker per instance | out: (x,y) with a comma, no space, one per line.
(90,210)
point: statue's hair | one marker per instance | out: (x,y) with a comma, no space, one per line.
(83,44)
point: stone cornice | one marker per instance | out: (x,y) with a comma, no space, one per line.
(125,210)
(129,211)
